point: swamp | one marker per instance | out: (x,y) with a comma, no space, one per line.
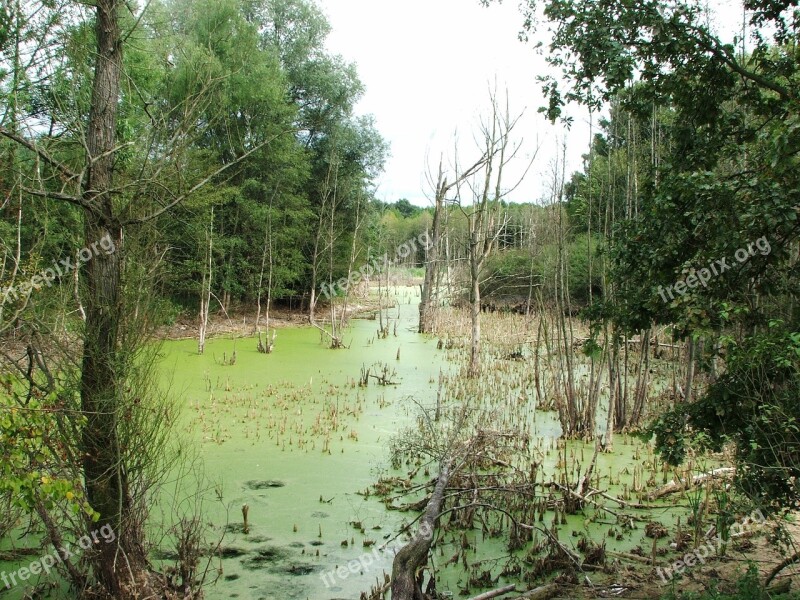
(239,359)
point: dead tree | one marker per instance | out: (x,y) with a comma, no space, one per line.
(485,226)
(442,188)
(406,583)
(205,288)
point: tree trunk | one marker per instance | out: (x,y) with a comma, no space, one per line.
(495,593)
(432,263)
(406,584)
(205,291)
(475,314)
(119,565)
(315,257)
(267,253)
(543,592)
(608,441)
(642,381)
(689,371)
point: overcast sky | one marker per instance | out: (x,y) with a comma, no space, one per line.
(427,66)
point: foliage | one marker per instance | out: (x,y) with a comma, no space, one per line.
(510,274)
(34,451)
(754,406)
(702,148)
(243,72)
(114,118)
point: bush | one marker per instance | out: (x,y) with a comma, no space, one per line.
(754,407)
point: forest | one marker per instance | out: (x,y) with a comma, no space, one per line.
(230,367)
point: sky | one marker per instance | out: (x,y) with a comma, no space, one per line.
(428,67)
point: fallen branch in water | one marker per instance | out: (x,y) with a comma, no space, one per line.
(336,342)
(628,504)
(544,592)
(495,593)
(628,556)
(413,556)
(678,486)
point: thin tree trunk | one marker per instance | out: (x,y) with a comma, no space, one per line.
(265,346)
(689,371)
(642,380)
(205,292)
(432,264)
(315,258)
(475,314)
(608,442)
(351,264)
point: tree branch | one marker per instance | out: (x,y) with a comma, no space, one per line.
(78,201)
(65,171)
(202,183)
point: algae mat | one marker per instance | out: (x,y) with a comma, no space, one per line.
(294,437)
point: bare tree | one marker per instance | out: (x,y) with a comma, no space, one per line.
(205,287)
(325,244)
(486,224)
(268,262)
(442,187)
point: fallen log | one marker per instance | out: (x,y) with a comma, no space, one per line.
(336,342)
(495,593)
(626,503)
(678,486)
(544,592)
(628,556)
(408,562)
(780,567)
(780,588)
(410,506)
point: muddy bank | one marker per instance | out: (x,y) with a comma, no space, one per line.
(241,321)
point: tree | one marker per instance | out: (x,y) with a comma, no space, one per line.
(486,224)
(726,187)
(83,158)
(325,87)
(441,188)
(107,485)
(414,556)
(405,208)
(349,157)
